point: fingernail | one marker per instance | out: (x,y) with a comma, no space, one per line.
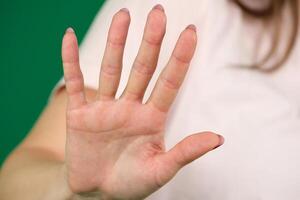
(192,27)
(124,10)
(221,141)
(70,30)
(159,7)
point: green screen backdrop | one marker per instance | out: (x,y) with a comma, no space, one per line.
(30,62)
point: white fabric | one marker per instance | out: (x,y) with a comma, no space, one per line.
(257,113)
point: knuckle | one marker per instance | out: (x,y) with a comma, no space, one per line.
(181,59)
(73,78)
(153,39)
(143,68)
(170,83)
(110,70)
(116,41)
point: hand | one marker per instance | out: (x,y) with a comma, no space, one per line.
(116,146)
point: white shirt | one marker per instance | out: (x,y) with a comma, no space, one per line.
(257,113)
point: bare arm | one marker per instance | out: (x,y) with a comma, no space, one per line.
(34,170)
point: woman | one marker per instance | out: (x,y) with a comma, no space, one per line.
(126,142)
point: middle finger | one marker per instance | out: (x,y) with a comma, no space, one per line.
(146,60)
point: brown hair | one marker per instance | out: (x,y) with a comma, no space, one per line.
(272,11)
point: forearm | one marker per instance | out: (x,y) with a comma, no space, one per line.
(30,174)
(34,170)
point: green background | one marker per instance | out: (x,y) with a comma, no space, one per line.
(30,34)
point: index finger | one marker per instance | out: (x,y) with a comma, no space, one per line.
(72,73)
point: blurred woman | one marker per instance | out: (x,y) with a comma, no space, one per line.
(118,137)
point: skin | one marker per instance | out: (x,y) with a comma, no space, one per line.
(90,144)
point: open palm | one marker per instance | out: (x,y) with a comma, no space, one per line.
(115,147)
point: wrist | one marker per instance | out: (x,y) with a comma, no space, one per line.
(60,189)
(72,195)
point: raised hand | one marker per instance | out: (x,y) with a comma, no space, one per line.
(115,147)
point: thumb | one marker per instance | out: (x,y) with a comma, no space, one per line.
(186,151)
